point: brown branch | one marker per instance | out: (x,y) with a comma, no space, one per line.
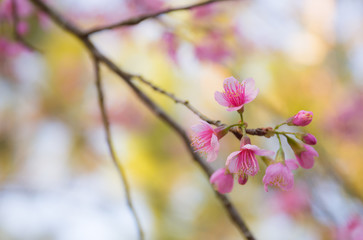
(115,159)
(137,20)
(229,207)
(17,36)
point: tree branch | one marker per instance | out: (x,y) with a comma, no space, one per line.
(115,159)
(229,207)
(137,20)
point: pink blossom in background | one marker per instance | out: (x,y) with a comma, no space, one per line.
(302,118)
(346,121)
(309,139)
(306,157)
(44,20)
(353,230)
(292,202)
(10,49)
(205,139)
(24,9)
(236,94)
(171,45)
(145,6)
(222,181)
(212,48)
(22,28)
(244,161)
(280,175)
(204,11)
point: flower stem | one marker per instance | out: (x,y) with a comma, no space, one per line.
(284,133)
(243,126)
(281,124)
(278,137)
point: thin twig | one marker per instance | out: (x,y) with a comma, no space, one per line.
(227,204)
(17,36)
(137,20)
(186,103)
(179,101)
(115,159)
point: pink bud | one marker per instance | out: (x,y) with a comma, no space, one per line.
(302,118)
(242,179)
(309,139)
(222,180)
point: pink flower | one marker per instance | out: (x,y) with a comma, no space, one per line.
(309,139)
(306,158)
(206,138)
(353,230)
(244,161)
(236,94)
(280,175)
(304,153)
(302,118)
(222,180)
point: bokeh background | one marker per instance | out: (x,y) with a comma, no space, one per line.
(57,180)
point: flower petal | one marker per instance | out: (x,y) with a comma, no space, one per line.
(249,84)
(202,126)
(231,156)
(219,97)
(291,164)
(213,153)
(233,162)
(249,97)
(231,109)
(257,150)
(230,83)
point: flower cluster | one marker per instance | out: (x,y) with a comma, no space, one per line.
(243,163)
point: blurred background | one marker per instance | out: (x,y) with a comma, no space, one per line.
(57,180)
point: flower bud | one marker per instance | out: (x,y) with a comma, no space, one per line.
(305,154)
(306,138)
(242,179)
(222,180)
(221,131)
(302,118)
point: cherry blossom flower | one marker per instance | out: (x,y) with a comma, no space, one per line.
(236,94)
(306,158)
(222,180)
(302,118)
(305,154)
(244,161)
(280,175)
(206,138)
